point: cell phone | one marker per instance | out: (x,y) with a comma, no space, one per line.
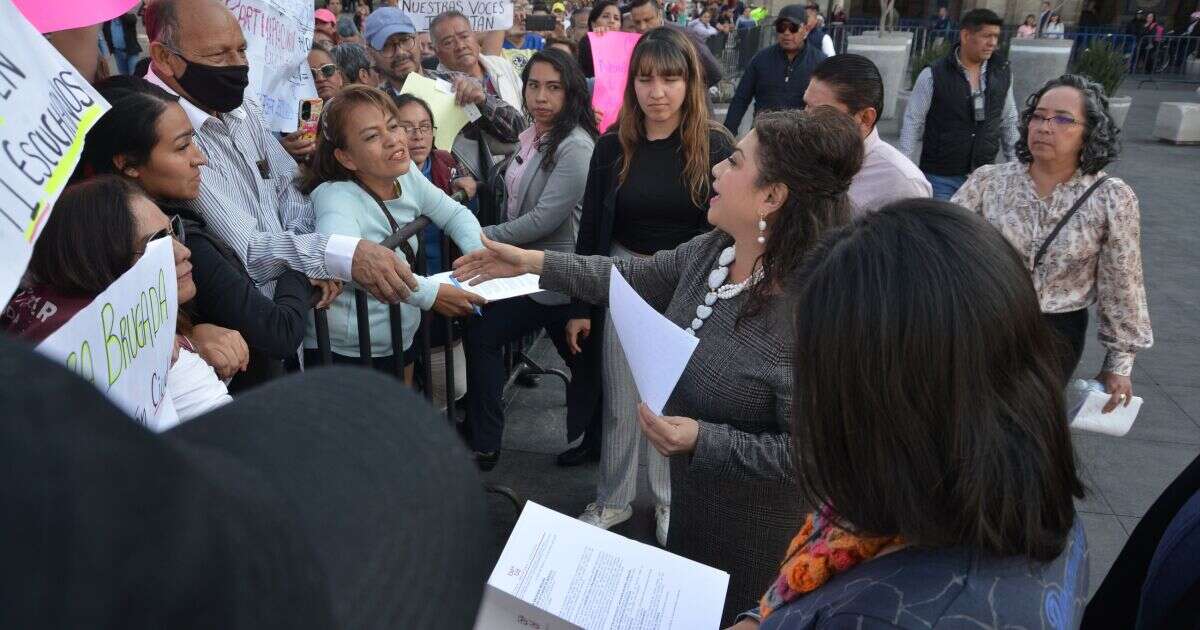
(310,115)
(540,23)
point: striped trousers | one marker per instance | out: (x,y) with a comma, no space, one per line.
(622,438)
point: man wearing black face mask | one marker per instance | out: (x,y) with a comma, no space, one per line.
(247,197)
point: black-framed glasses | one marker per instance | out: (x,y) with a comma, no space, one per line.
(785,25)
(1056,121)
(326,70)
(175,229)
(398,44)
(418,130)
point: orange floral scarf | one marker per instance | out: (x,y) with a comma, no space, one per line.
(820,551)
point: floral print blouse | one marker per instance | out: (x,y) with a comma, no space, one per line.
(1097,257)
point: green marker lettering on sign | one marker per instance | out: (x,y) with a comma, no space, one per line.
(81,363)
(113,353)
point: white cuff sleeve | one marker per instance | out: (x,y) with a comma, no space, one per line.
(339,256)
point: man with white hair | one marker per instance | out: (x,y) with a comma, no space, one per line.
(247,196)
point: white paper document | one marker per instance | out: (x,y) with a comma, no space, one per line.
(557,572)
(1089,413)
(657,349)
(498,289)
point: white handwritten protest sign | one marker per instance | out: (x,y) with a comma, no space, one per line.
(122,342)
(46,109)
(278,34)
(485,15)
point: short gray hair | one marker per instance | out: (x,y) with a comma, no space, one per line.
(1101,139)
(351,58)
(161,18)
(446,16)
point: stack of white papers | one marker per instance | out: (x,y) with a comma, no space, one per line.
(498,289)
(559,573)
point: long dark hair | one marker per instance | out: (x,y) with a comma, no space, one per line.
(331,134)
(928,394)
(814,153)
(598,10)
(88,241)
(129,129)
(577,102)
(665,51)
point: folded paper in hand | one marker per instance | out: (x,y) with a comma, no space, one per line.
(498,289)
(1087,400)
(657,350)
(558,572)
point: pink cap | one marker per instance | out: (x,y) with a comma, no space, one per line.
(325,15)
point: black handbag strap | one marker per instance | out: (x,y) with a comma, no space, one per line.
(1037,260)
(407,249)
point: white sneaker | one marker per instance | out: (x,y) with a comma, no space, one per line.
(662,523)
(603,517)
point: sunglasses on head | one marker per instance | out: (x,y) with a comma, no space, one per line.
(784,25)
(326,71)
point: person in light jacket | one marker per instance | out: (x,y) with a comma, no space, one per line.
(363,185)
(544,183)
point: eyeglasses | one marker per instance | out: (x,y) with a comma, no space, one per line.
(400,43)
(418,130)
(326,71)
(175,229)
(1056,121)
(784,25)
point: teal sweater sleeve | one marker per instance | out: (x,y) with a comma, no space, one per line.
(452,217)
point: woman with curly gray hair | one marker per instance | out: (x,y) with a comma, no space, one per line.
(1077,228)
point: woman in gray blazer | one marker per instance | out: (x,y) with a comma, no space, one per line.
(544,185)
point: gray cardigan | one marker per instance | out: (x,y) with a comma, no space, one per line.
(551,203)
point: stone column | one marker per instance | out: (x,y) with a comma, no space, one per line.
(890,54)
(1035,61)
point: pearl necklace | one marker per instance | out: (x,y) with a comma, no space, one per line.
(719,291)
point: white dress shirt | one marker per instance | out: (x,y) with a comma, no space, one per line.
(886,176)
(264,218)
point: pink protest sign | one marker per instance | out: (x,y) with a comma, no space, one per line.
(610,57)
(48,16)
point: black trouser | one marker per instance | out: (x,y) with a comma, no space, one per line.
(1071,328)
(502,322)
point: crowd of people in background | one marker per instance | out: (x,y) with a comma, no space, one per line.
(872,320)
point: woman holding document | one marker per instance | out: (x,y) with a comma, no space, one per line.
(733,483)
(648,190)
(362,184)
(543,186)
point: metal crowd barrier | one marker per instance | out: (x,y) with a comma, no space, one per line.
(422,342)
(1168,59)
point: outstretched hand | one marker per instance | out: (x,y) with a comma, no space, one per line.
(496,260)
